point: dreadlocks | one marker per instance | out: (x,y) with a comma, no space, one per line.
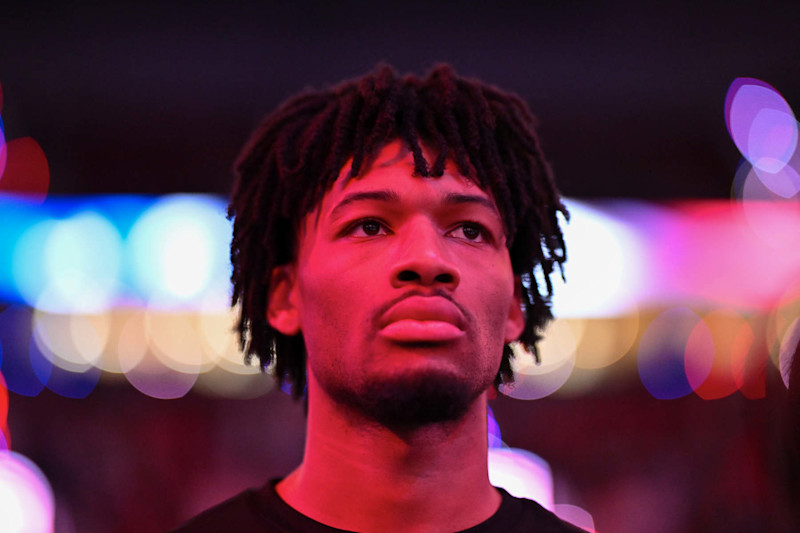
(299,150)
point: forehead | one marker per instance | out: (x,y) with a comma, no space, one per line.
(393,168)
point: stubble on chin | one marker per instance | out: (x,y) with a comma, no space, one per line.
(413,400)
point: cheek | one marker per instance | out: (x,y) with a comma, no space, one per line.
(332,305)
(493,302)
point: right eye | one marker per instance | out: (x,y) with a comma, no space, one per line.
(368,227)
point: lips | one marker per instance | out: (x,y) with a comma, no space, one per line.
(422,319)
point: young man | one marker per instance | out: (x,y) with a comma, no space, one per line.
(391,236)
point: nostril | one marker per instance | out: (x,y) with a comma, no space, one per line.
(444,278)
(408,275)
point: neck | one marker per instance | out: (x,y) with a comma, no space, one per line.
(359,475)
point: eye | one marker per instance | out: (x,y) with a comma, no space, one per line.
(470,231)
(367,228)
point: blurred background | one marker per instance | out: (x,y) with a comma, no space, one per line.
(660,404)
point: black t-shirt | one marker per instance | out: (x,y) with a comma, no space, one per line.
(261,511)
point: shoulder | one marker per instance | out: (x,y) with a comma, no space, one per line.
(253,511)
(239,513)
(522,515)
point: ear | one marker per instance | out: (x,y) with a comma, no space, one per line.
(282,311)
(515,322)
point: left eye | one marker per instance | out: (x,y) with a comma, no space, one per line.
(470,232)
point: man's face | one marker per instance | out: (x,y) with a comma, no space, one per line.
(403,291)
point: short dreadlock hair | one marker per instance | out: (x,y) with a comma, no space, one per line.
(293,158)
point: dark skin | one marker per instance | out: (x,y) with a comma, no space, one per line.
(420,279)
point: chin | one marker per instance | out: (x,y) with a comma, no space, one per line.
(413,399)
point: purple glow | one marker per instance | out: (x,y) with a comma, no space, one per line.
(158,381)
(575,515)
(761,124)
(24,375)
(495,441)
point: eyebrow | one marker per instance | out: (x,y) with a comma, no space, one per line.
(391,196)
(380,196)
(455,198)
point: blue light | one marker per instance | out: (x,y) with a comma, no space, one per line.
(178,250)
(25,369)
(661,357)
(87,254)
(17,215)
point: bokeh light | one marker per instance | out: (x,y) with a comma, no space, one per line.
(17,216)
(522,473)
(534,380)
(3,413)
(132,341)
(69,265)
(216,325)
(493,430)
(178,249)
(751,183)
(575,515)
(223,384)
(717,353)
(27,504)
(779,324)
(26,170)
(775,224)
(72,342)
(76,385)
(174,340)
(24,367)
(600,248)
(142,368)
(606,340)
(158,381)
(662,353)
(790,344)
(761,124)
(28,260)
(82,264)
(3,154)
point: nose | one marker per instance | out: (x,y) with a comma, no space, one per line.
(423,260)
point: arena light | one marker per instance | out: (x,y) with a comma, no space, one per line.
(178,250)
(761,124)
(603,273)
(26,499)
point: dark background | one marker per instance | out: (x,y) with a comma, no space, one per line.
(159,98)
(126,98)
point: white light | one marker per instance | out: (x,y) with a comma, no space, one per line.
(178,249)
(82,264)
(69,265)
(522,474)
(26,499)
(28,270)
(603,270)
